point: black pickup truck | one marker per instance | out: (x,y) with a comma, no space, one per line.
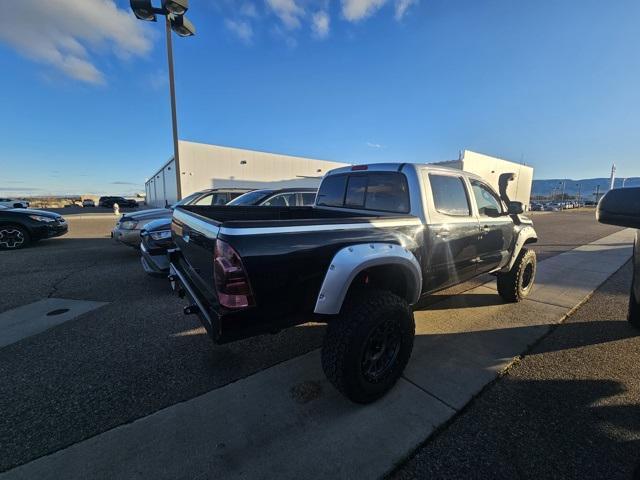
(378,239)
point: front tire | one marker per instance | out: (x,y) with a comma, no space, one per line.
(517,283)
(13,237)
(368,346)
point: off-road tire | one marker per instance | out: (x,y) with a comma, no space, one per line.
(13,230)
(516,284)
(634,309)
(350,336)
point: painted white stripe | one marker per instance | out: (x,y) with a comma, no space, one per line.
(320,228)
(31,319)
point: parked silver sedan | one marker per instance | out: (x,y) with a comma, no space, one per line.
(127,230)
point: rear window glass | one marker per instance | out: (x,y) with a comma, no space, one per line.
(449,195)
(331,192)
(382,191)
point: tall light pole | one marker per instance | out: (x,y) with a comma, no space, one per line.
(173,11)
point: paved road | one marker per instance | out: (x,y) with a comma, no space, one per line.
(137,354)
(569,409)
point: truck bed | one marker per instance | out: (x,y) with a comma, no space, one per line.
(256,216)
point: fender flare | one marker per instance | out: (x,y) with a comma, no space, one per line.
(525,236)
(348,262)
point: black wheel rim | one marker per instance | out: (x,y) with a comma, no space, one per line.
(11,238)
(527,276)
(381,350)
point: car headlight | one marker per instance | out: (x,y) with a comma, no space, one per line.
(128,225)
(40,218)
(161,235)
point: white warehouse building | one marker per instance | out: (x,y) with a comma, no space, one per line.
(205,166)
(490,169)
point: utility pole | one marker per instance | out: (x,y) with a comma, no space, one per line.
(174,121)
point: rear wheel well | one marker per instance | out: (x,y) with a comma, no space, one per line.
(391,278)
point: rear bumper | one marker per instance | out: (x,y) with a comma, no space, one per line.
(184,288)
(156,265)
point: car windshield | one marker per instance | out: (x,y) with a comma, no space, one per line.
(186,200)
(251,198)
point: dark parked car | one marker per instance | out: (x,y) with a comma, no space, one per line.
(156,235)
(127,230)
(378,239)
(621,207)
(21,226)
(122,202)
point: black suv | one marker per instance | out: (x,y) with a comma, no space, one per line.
(108,202)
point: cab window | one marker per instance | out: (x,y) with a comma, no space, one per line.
(450,195)
(380,191)
(489,204)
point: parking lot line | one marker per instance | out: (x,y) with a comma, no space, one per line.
(28,320)
(287,422)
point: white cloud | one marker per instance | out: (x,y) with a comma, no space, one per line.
(248,10)
(320,24)
(288,11)
(355,10)
(240,28)
(374,145)
(65,33)
(402,6)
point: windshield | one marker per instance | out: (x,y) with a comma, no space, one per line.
(251,198)
(186,200)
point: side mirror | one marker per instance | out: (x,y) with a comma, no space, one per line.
(515,208)
(620,206)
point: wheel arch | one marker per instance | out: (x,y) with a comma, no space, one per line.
(526,236)
(378,265)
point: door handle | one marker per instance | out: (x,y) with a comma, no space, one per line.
(442,233)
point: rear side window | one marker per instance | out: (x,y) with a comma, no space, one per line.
(449,195)
(308,199)
(381,191)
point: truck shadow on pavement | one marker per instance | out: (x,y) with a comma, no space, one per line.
(529,428)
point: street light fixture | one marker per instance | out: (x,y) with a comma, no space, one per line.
(177,7)
(183,27)
(173,11)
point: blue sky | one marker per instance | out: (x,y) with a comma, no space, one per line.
(85,106)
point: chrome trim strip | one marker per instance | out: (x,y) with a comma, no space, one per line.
(319,228)
(206,228)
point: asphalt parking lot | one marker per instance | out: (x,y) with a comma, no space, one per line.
(569,409)
(137,353)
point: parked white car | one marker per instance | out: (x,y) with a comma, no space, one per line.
(14,203)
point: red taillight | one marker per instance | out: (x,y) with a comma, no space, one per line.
(355,168)
(230,278)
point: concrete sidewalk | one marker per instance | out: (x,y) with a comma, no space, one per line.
(288,422)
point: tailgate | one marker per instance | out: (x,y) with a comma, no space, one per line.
(195,236)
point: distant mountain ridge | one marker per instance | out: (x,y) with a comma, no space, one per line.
(587,187)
